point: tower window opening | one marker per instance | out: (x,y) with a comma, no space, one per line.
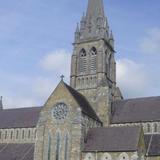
(82,53)
(82,61)
(93,51)
(93,59)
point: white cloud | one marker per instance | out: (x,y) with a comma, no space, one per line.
(132,78)
(27,90)
(58,61)
(151,42)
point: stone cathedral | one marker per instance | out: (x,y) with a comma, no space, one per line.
(88,119)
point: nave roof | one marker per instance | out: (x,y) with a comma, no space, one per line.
(19,118)
(136,110)
(16,151)
(113,139)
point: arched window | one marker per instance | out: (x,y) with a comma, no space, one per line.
(35,134)
(17,133)
(82,61)
(66,147)
(58,141)
(49,146)
(83,53)
(148,127)
(29,133)
(22,134)
(93,59)
(11,134)
(106,156)
(155,127)
(93,51)
(5,135)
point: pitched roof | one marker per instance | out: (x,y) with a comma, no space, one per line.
(152,143)
(112,139)
(19,118)
(95,9)
(83,103)
(16,151)
(136,110)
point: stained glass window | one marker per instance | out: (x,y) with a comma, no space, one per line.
(49,147)
(66,147)
(60,111)
(58,139)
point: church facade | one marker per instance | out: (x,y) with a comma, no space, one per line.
(88,119)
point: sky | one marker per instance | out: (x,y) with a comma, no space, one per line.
(36,45)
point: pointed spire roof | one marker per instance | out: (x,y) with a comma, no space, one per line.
(94,23)
(95,9)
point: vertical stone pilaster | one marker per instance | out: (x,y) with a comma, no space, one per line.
(39,144)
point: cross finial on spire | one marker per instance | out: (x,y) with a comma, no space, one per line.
(62,77)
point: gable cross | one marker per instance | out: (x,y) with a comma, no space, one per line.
(62,77)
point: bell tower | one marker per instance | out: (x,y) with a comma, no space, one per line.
(93,66)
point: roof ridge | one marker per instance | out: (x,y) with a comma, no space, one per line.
(91,113)
(109,127)
(138,98)
(22,108)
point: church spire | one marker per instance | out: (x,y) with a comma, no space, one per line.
(93,23)
(95,9)
(93,66)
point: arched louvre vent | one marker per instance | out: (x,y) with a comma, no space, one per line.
(109,66)
(93,59)
(82,61)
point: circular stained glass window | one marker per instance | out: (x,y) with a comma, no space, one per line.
(60,111)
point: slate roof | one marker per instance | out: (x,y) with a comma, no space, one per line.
(112,139)
(136,110)
(16,151)
(83,103)
(19,118)
(152,143)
